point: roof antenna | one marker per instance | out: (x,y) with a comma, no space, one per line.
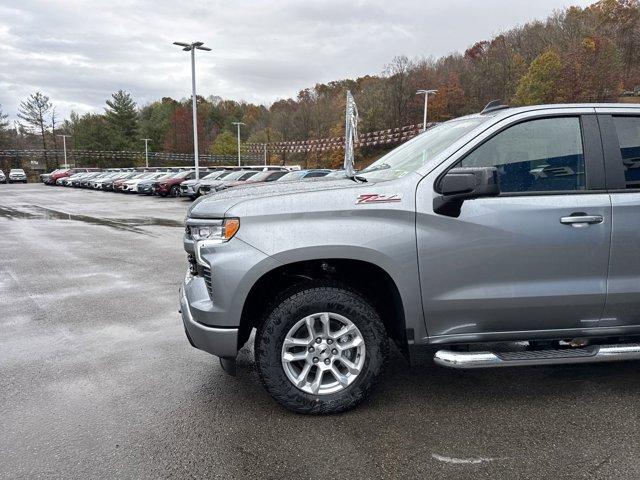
(494,105)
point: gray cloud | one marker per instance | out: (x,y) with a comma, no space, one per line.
(78,52)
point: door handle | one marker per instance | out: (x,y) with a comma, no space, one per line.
(580,219)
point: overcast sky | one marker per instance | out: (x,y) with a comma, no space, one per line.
(78,52)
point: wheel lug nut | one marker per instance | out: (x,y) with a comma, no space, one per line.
(316,359)
(327,361)
(318,340)
(329,341)
(334,351)
(311,349)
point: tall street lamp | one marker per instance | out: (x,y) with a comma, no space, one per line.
(192,47)
(238,124)
(64,146)
(146,151)
(426,94)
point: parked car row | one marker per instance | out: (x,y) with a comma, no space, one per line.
(179,181)
(16,175)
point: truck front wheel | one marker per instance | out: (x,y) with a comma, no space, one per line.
(321,349)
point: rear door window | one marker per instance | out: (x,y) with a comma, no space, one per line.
(628,130)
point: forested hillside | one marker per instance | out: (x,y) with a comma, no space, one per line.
(575,55)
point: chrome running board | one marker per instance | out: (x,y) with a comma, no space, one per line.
(590,354)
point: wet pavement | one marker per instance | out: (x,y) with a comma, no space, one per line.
(98,381)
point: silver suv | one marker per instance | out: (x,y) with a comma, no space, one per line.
(17,175)
(504,238)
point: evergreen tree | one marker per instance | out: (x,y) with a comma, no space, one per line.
(4,126)
(122,119)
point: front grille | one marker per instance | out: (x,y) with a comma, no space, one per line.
(206,273)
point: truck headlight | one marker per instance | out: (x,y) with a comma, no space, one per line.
(221,230)
(208,233)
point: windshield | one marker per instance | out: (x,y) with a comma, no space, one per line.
(292,176)
(262,176)
(248,175)
(234,175)
(214,175)
(418,151)
(182,174)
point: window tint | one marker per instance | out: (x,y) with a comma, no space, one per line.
(536,156)
(275,176)
(315,174)
(628,129)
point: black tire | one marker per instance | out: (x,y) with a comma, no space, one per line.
(297,304)
(175,191)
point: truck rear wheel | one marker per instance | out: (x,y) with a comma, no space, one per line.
(321,349)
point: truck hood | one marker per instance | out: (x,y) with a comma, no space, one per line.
(217,204)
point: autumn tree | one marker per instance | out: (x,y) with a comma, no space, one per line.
(592,71)
(541,84)
(34,111)
(620,20)
(449,102)
(179,135)
(225,144)
(399,90)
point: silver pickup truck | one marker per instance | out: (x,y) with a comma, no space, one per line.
(506,238)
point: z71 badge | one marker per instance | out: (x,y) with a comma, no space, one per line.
(376,198)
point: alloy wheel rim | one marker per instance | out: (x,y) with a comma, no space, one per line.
(323,353)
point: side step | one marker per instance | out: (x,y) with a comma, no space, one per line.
(591,354)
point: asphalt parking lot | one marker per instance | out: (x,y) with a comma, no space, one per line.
(97,379)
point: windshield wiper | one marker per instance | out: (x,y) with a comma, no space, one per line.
(357,178)
(382,166)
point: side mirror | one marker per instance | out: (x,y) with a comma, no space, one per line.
(460,184)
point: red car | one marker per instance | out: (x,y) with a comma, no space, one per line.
(65,172)
(171,185)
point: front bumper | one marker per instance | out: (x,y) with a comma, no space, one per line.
(222,342)
(212,305)
(187,190)
(160,190)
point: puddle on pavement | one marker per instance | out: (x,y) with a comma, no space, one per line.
(37,212)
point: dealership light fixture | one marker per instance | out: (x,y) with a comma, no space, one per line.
(238,125)
(64,146)
(146,150)
(426,94)
(192,47)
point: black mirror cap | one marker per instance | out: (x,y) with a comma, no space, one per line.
(470,182)
(465,183)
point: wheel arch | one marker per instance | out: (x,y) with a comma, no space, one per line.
(368,279)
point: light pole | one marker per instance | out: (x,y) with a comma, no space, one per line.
(426,94)
(192,47)
(238,124)
(64,147)
(146,151)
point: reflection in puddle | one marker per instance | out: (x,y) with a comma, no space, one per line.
(36,212)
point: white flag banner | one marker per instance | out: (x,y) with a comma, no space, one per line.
(350,134)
